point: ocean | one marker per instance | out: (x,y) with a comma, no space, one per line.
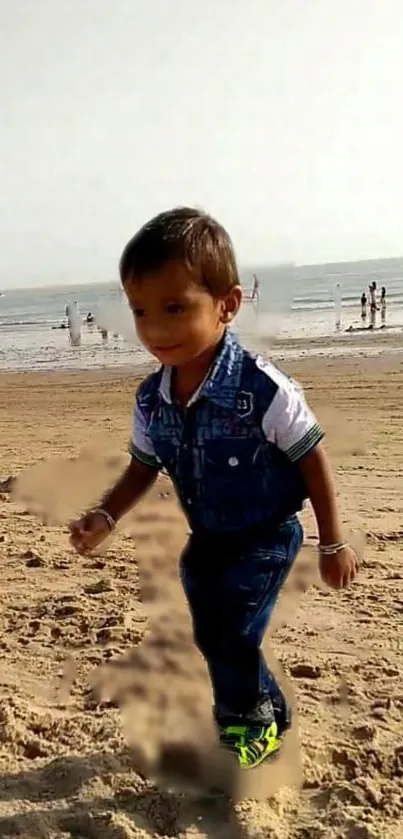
(295,302)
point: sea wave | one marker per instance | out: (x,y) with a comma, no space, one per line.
(23,322)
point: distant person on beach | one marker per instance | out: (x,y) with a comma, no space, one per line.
(90,318)
(383,305)
(244,451)
(372,295)
(255,288)
(74,323)
(372,304)
(364,301)
(338,303)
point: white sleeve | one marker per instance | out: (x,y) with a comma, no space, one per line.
(140,445)
(289,422)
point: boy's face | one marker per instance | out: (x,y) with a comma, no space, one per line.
(176,317)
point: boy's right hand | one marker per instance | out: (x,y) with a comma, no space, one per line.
(88,532)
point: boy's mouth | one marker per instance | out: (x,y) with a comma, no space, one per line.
(170,348)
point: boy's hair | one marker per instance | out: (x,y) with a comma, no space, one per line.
(187,235)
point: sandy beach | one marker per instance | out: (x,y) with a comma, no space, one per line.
(101,688)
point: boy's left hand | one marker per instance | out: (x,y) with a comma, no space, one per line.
(340,569)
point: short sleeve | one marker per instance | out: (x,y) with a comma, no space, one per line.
(140,445)
(290,423)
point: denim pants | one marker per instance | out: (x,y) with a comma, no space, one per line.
(232,584)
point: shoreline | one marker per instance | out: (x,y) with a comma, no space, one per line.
(357,345)
(301,362)
(343,344)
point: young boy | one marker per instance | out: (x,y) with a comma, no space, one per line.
(243,451)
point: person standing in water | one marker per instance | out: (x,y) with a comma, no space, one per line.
(255,289)
(337,305)
(383,305)
(372,304)
(364,301)
(74,323)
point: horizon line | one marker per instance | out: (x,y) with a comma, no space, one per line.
(251,267)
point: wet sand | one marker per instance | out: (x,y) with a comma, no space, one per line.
(101,688)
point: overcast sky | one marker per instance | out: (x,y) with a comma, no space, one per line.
(285,120)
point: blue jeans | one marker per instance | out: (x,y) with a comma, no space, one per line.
(232,584)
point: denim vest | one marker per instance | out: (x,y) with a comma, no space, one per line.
(228,477)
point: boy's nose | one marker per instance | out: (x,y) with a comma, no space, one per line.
(157,334)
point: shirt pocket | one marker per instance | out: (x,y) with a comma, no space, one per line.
(233,474)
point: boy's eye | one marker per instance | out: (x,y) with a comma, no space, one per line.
(174,308)
(138,313)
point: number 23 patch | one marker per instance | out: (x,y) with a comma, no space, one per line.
(244,403)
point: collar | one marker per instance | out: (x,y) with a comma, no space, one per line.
(222,382)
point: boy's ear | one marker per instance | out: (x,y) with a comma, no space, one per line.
(231,304)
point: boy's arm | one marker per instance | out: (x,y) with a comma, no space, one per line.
(129,489)
(293,427)
(93,528)
(337,561)
(140,474)
(319,481)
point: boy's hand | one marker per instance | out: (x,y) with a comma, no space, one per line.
(338,570)
(89,532)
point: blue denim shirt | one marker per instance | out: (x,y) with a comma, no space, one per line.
(233,453)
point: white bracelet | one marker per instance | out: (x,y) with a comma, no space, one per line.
(330,550)
(109,519)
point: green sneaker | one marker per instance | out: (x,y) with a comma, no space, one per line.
(251,745)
